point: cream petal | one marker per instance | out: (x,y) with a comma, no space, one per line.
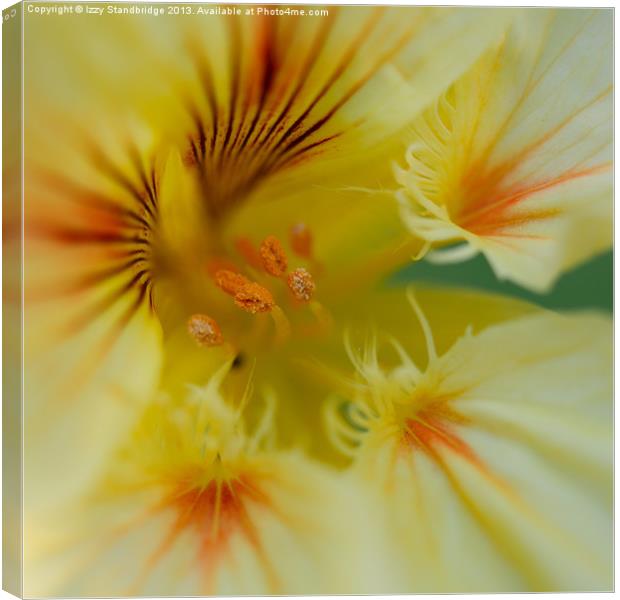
(191,504)
(77,407)
(535,395)
(495,473)
(289,541)
(433,539)
(92,343)
(529,511)
(518,153)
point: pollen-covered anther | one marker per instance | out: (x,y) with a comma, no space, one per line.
(204,330)
(301,284)
(301,240)
(230,282)
(254,298)
(273,256)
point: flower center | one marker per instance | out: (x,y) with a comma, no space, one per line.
(259,282)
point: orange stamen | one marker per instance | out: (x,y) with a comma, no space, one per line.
(301,283)
(273,256)
(220,264)
(251,255)
(230,282)
(254,298)
(301,240)
(204,330)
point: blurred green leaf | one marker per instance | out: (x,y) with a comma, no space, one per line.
(588,286)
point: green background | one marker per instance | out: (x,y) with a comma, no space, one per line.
(588,286)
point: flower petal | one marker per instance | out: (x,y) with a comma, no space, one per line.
(191,505)
(535,397)
(515,159)
(493,463)
(77,407)
(93,343)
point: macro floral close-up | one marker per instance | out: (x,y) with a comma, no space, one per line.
(258,358)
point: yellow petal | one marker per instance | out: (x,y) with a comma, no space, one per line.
(279,541)
(537,411)
(194,503)
(350,73)
(83,393)
(501,444)
(515,159)
(93,344)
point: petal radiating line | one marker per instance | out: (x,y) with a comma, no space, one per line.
(515,159)
(287,102)
(89,293)
(495,445)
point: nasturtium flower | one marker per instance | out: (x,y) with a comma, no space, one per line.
(177,163)
(514,160)
(207,228)
(499,443)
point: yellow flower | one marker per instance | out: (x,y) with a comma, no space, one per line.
(175,164)
(514,159)
(491,462)
(198,226)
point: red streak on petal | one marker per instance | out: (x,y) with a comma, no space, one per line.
(488,200)
(431,430)
(432,427)
(487,197)
(427,432)
(214,513)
